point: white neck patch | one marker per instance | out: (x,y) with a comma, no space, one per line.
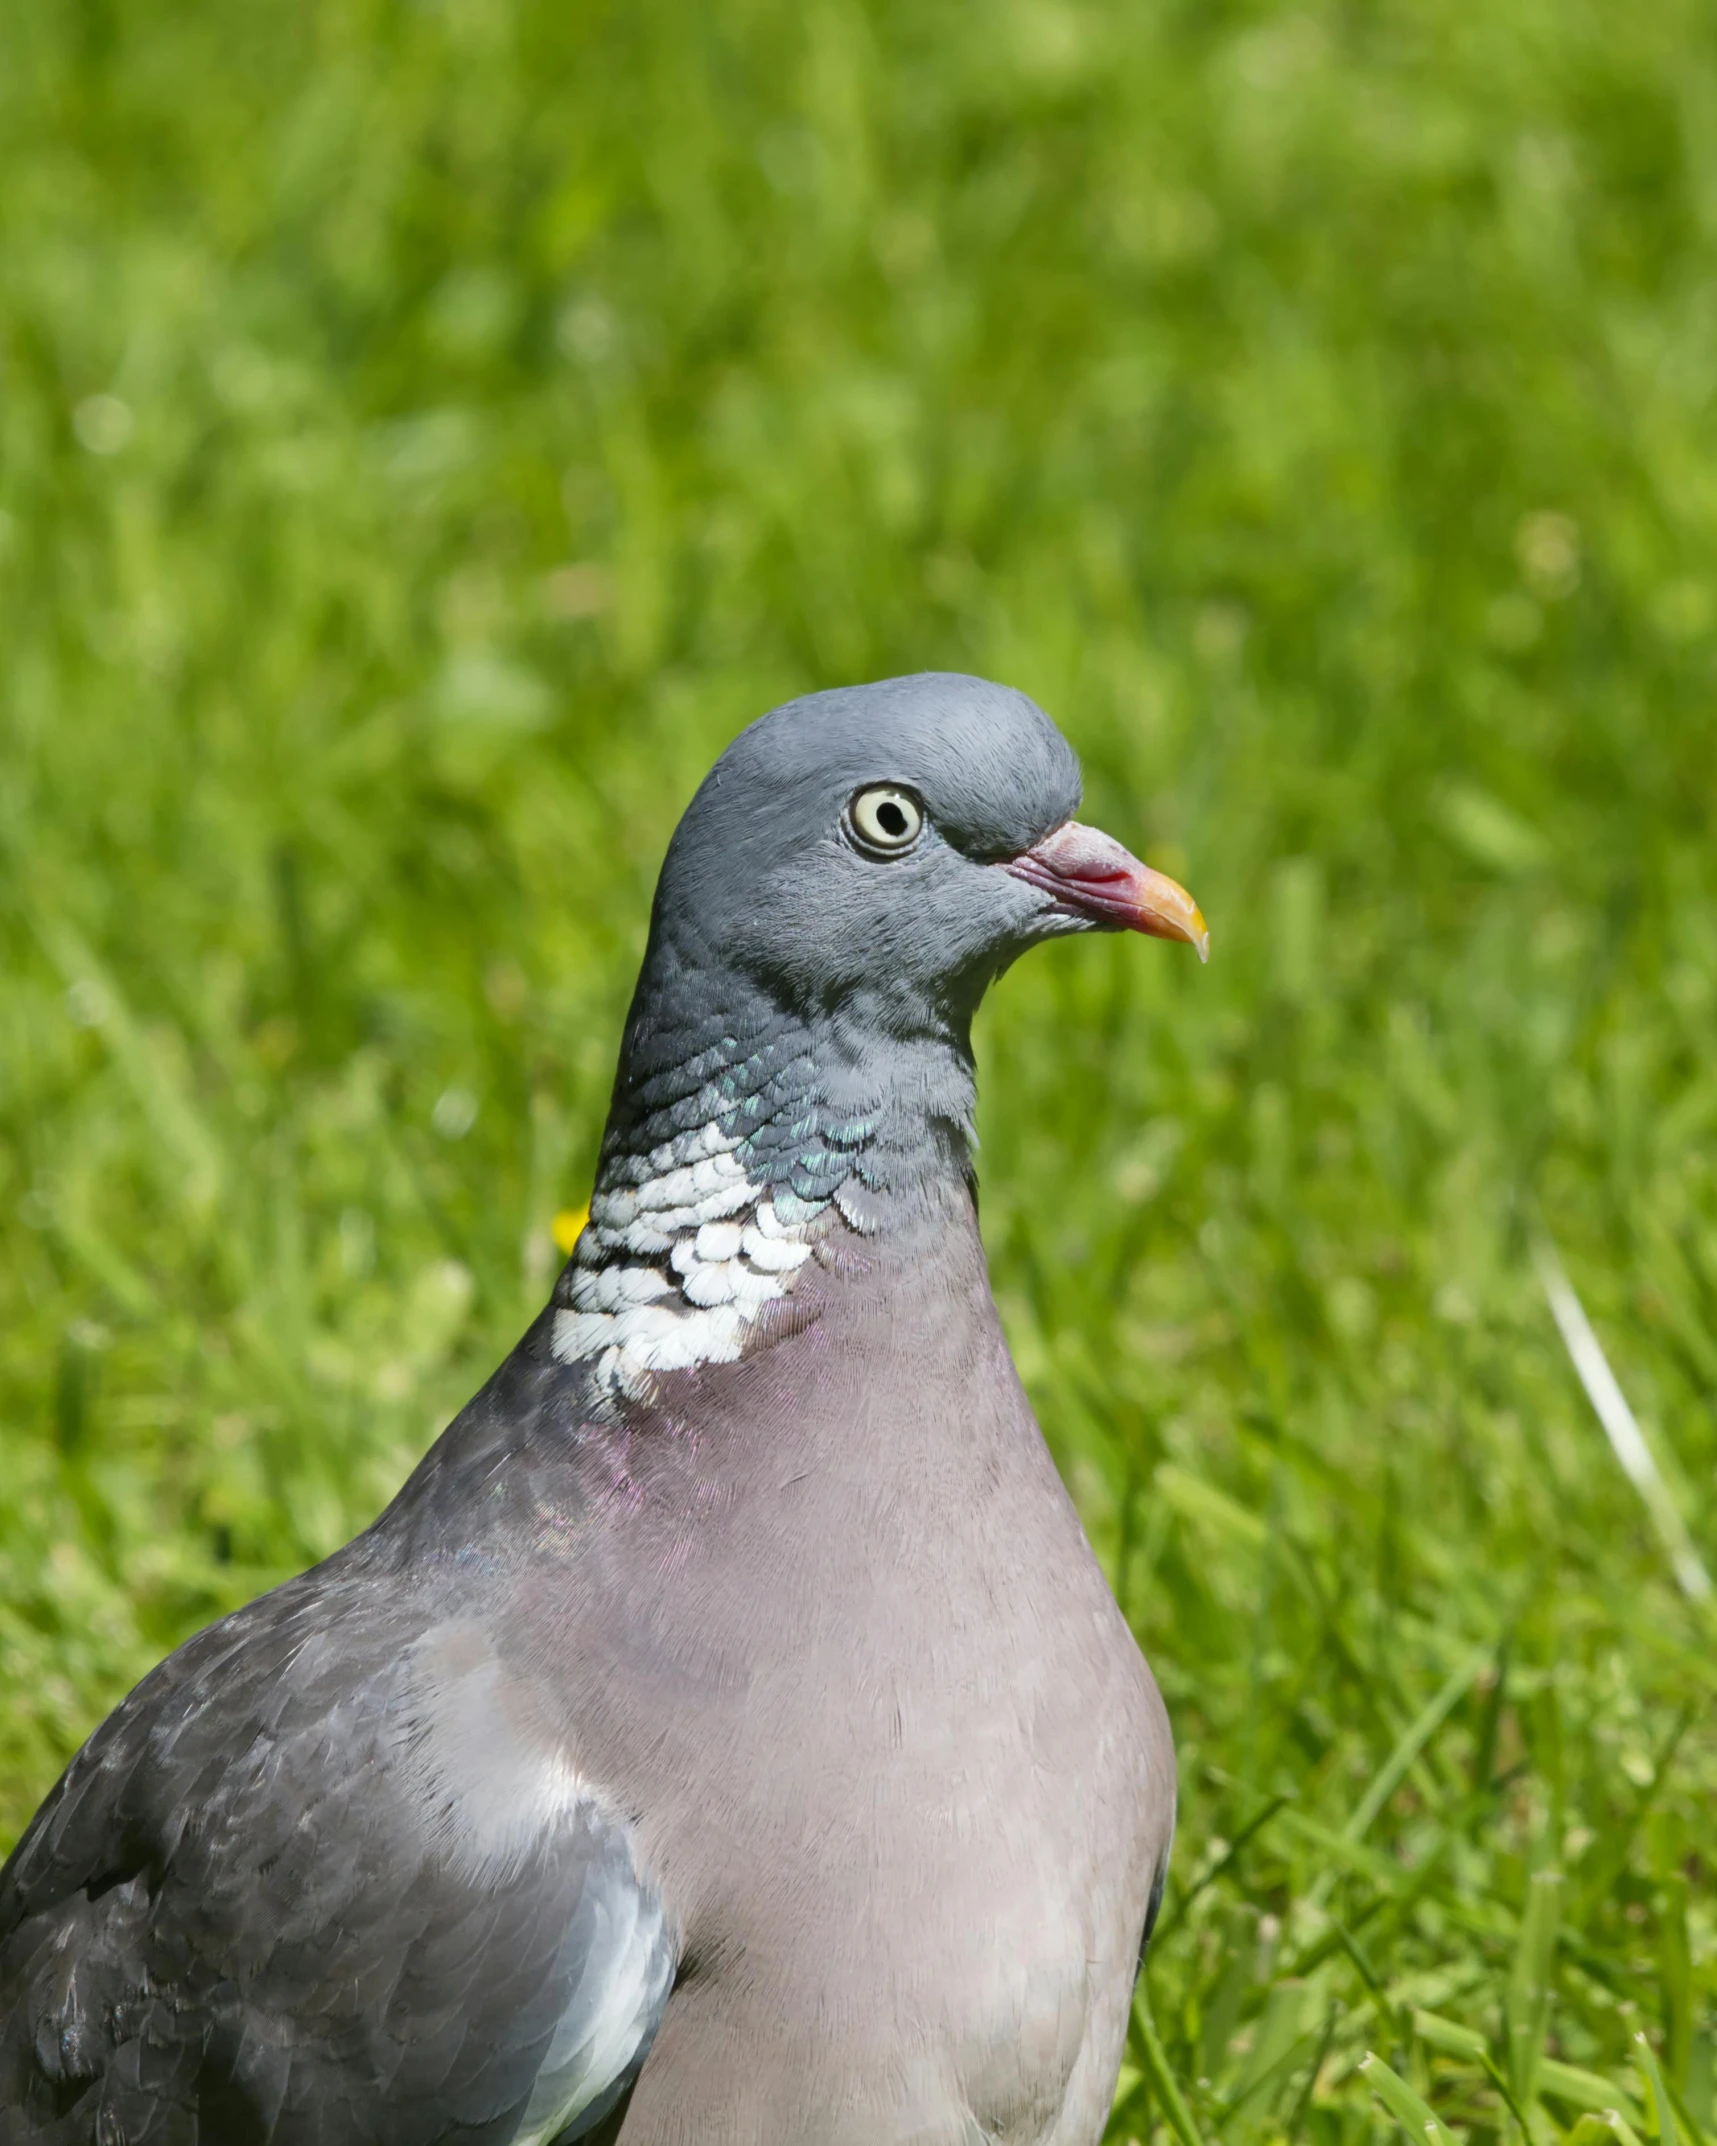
(680,1255)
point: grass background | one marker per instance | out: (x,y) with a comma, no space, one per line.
(427,431)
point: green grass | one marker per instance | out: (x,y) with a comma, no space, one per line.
(428,431)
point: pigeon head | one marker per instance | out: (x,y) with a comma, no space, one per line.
(852,873)
(877,854)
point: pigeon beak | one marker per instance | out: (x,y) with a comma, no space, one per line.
(1089,873)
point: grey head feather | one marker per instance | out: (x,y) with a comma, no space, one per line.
(788,968)
(760,883)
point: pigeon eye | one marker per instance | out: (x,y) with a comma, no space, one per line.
(885,819)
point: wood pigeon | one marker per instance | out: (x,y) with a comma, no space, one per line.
(726,1737)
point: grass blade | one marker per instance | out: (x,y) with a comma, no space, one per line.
(1156,2069)
(1415,2117)
(1414,1738)
(1449,2038)
(1527,2004)
(1586,2090)
(1608,2128)
(1662,2113)
(1621,1426)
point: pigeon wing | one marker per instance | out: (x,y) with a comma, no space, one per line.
(314,1884)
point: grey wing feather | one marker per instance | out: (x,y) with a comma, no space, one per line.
(291,1893)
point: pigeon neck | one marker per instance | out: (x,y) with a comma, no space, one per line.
(736,1142)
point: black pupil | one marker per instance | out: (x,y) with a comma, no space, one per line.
(891,819)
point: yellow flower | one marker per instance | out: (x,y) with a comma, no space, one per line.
(567,1224)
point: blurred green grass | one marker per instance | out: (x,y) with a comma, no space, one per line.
(428,431)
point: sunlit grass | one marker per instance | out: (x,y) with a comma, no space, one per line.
(427,432)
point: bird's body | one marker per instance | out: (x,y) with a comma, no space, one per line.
(727,1736)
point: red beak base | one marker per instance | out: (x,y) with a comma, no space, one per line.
(1089,873)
